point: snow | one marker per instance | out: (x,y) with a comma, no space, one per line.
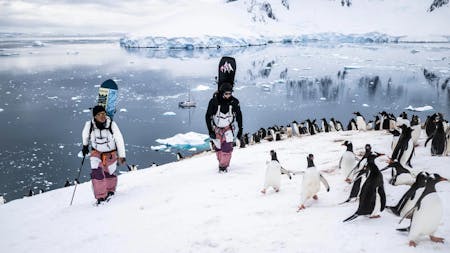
(419,109)
(187,206)
(211,24)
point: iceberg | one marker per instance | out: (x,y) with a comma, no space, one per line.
(186,141)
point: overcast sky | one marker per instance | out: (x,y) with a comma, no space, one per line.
(77,16)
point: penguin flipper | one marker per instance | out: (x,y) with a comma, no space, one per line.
(298,173)
(325,183)
(410,212)
(354,216)
(404,229)
(287,172)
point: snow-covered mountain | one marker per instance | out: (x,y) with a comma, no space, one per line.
(187,206)
(192,24)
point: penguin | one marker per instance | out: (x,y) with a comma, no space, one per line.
(402,119)
(30,193)
(256,137)
(133,167)
(347,161)
(417,129)
(372,199)
(339,126)
(352,125)
(361,175)
(289,131)
(325,126)
(273,173)
(295,129)
(311,183)
(370,125)
(404,149)
(409,199)
(447,136)
(179,157)
(395,136)
(262,133)
(41,191)
(430,123)
(2,200)
(360,122)
(67,183)
(400,175)
(377,123)
(427,214)
(438,140)
(310,127)
(76,181)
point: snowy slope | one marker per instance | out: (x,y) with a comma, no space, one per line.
(243,22)
(187,206)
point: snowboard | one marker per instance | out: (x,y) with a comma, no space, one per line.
(227,71)
(107,96)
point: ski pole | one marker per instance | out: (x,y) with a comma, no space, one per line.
(78,178)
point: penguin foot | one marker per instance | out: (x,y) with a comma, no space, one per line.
(374,216)
(412,244)
(301,207)
(263,191)
(348,180)
(436,239)
(277,190)
(315,197)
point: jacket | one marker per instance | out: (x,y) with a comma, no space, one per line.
(105,140)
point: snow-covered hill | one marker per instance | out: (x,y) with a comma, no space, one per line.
(187,206)
(191,24)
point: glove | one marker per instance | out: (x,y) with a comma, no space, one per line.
(239,134)
(121,160)
(85,150)
(212,135)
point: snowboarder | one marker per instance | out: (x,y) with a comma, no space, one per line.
(108,148)
(223,110)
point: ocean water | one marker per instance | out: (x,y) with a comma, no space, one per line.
(47,86)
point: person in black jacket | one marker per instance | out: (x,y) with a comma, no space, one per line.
(223,111)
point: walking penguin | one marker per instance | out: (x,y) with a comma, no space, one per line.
(348,161)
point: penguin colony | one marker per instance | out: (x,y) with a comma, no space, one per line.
(420,203)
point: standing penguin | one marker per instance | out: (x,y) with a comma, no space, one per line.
(417,129)
(395,136)
(372,199)
(360,122)
(400,175)
(295,129)
(409,199)
(325,126)
(404,149)
(438,140)
(273,173)
(427,213)
(402,119)
(348,161)
(2,200)
(352,125)
(311,183)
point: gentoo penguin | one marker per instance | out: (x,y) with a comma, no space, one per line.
(427,213)
(134,167)
(395,135)
(377,123)
(273,173)
(325,126)
(2,200)
(409,199)
(438,140)
(179,156)
(339,126)
(402,119)
(404,149)
(30,193)
(372,199)
(67,183)
(311,182)
(360,122)
(400,175)
(295,129)
(332,125)
(352,125)
(430,123)
(361,175)
(417,129)
(348,161)
(289,131)
(310,126)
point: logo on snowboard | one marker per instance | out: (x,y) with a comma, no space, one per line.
(226,68)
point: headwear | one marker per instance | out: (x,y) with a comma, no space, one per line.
(226,87)
(97,109)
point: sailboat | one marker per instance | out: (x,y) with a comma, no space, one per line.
(187,103)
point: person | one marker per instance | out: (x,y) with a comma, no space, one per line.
(223,110)
(108,149)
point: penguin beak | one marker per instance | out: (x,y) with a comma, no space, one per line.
(443,179)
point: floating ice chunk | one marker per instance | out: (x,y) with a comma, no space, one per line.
(159,147)
(186,141)
(53,98)
(61,146)
(76,98)
(123,110)
(202,88)
(38,43)
(169,114)
(365,105)
(414,51)
(86,110)
(323,98)
(99,76)
(419,109)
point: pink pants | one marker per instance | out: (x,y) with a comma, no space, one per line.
(103,166)
(226,148)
